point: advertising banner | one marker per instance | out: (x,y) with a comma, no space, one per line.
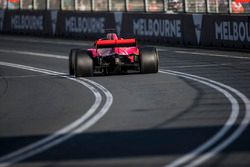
(84,25)
(227,31)
(27,22)
(192,29)
(154,27)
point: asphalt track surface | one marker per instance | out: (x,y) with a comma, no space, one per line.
(194,112)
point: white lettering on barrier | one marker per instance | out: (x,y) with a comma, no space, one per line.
(85,24)
(157,27)
(232,31)
(25,22)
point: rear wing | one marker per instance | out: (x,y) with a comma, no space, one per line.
(115,43)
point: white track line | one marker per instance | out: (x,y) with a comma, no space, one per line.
(34,54)
(212,54)
(230,122)
(81,124)
(243,125)
(203,65)
(58,42)
(22,76)
(227,126)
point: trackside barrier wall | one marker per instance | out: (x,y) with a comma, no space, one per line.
(84,25)
(25,22)
(185,29)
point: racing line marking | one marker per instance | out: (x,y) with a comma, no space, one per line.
(229,124)
(76,127)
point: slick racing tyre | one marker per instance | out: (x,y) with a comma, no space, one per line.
(149,60)
(83,64)
(72,56)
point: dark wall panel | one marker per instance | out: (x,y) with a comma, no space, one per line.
(186,29)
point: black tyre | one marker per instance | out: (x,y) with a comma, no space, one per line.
(83,64)
(72,56)
(149,60)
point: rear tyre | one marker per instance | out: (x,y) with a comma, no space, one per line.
(149,60)
(83,64)
(72,56)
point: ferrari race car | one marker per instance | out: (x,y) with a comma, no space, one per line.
(113,55)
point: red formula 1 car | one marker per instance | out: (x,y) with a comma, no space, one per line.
(113,54)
